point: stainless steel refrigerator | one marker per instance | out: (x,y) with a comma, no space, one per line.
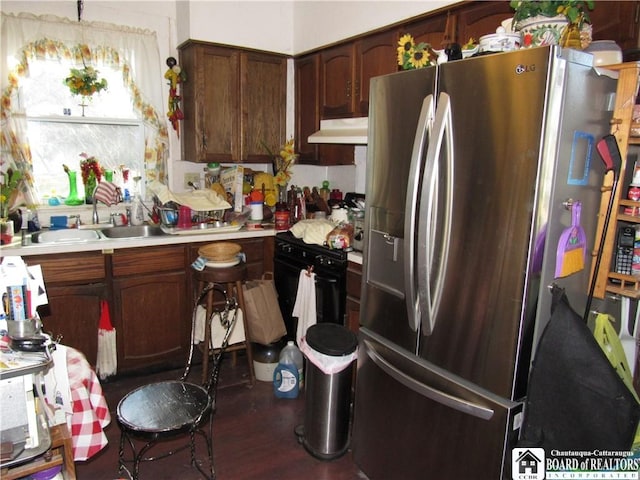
(472,170)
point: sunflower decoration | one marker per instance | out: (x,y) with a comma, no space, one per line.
(412,55)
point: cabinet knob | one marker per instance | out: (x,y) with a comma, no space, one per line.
(357,92)
(348,92)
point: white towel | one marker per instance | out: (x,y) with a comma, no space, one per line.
(217,330)
(305,306)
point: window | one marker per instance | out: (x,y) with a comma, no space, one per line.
(58,132)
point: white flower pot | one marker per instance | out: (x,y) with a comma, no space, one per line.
(542,30)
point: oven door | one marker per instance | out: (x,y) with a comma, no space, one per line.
(330,292)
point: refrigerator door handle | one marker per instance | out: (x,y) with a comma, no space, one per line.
(425,390)
(436,212)
(423,133)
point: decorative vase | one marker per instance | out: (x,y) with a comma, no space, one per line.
(73,198)
(89,188)
(542,30)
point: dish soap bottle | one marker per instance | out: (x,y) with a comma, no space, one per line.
(137,209)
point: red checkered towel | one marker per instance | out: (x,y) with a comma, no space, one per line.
(107,192)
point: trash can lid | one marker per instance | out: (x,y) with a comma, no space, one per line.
(331,339)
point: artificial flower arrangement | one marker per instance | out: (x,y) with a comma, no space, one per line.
(576,11)
(577,34)
(283,162)
(9,196)
(91,172)
(84,81)
(412,55)
(175,75)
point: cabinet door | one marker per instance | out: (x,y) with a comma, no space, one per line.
(337,81)
(263,93)
(150,320)
(307,105)
(375,55)
(75,284)
(429,30)
(480,19)
(211,103)
(73,312)
(616,21)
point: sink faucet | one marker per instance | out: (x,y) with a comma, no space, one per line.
(76,219)
(95,218)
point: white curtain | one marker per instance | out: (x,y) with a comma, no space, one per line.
(24,37)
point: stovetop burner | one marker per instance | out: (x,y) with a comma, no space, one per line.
(294,249)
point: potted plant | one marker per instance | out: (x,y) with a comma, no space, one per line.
(549,22)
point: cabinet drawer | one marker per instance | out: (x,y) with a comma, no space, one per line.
(148,260)
(70,267)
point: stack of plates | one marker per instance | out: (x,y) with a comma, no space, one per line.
(223,263)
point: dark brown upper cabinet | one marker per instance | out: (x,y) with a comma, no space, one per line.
(234,101)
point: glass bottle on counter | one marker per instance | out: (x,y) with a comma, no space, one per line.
(324,191)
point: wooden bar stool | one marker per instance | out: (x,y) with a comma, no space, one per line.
(232,277)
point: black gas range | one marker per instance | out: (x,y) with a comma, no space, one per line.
(292,255)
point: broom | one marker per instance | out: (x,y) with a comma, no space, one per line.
(107,361)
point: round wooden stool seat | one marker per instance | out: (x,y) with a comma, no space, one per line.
(232,277)
(237,273)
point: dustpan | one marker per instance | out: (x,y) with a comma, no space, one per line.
(572,246)
(107,361)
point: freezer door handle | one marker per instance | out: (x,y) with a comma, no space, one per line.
(436,212)
(425,390)
(423,132)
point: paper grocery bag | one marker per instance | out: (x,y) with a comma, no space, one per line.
(264,318)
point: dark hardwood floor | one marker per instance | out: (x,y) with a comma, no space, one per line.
(253,436)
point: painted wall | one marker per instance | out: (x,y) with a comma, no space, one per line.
(289,27)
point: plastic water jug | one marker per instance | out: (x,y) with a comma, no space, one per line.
(292,355)
(287,377)
(285,381)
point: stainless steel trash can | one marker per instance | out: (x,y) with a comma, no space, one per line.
(325,433)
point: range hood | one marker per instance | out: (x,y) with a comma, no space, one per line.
(351,131)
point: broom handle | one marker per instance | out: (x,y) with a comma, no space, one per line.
(603,237)
(609,152)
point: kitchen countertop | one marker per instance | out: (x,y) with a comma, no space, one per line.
(355,257)
(108,245)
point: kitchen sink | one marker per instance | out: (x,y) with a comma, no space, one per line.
(67,235)
(137,231)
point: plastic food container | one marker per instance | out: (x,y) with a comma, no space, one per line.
(499,42)
(605,52)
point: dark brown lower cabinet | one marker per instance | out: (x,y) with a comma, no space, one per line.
(150,296)
(151,320)
(150,311)
(75,314)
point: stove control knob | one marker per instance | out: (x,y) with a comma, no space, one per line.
(324,261)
